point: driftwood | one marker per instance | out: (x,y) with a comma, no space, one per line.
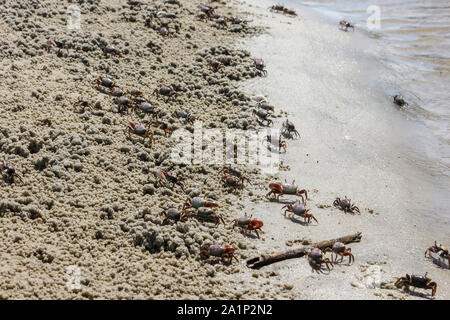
(264,260)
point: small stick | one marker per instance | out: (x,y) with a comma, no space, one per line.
(264,260)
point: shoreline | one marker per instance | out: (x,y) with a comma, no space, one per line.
(90,200)
(318,161)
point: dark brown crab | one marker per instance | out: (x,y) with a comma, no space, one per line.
(345,205)
(9,173)
(166,91)
(417,281)
(289,130)
(398,100)
(124,103)
(345,25)
(441,251)
(52,42)
(168,176)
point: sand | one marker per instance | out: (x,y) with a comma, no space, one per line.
(85,224)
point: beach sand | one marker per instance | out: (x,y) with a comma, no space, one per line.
(85,224)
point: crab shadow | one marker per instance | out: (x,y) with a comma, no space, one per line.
(440,263)
(423,295)
(288,135)
(298,221)
(319,268)
(282,201)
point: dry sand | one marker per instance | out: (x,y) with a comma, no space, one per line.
(89,198)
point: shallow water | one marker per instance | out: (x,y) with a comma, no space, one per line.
(412,44)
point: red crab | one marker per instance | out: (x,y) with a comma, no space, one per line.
(248,224)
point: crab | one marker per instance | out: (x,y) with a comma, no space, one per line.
(260,66)
(111,49)
(116,92)
(345,25)
(232,171)
(170,177)
(345,205)
(235,20)
(273,139)
(277,8)
(163,126)
(206,9)
(166,91)
(173,214)
(398,100)
(139,130)
(316,258)
(134,3)
(198,202)
(216,250)
(279,188)
(263,116)
(215,64)
(339,249)
(290,12)
(264,105)
(123,103)
(146,107)
(248,224)
(83,104)
(206,214)
(9,173)
(233,181)
(104,82)
(202,16)
(299,209)
(417,281)
(222,22)
(289,129)
(183,114)
(165,32)
(59,44)
(441,251)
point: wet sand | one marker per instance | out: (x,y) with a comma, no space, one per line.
(90,203)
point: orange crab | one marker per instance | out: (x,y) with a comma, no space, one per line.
(248,224)
(279,188)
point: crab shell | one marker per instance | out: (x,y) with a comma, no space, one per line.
(204,212)
(315,254)
(198,202)
(298,208)
(138,129)
(107,82)
(289,188)
(145,106)
(173,214)
(338,247)
(243,221)
(216,250)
